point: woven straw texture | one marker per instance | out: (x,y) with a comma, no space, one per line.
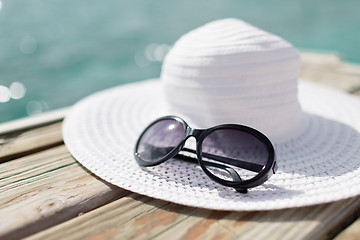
(232,72)
(318,165)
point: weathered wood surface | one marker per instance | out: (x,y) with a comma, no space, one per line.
(46,194)
(330,70)
(15,145)
(350,233)
(34,121)
(46,188)
(139,217)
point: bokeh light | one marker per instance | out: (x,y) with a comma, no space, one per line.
(36,107)
(156,52)
(17,90)
(5,94)
(153,53)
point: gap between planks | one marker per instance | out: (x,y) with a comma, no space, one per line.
(18,144)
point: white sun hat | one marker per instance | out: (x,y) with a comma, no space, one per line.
(226,71)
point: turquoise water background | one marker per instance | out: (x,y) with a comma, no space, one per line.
(59,51)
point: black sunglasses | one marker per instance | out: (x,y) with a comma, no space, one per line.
(232,155)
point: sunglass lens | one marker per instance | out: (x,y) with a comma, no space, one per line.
(160,139)
(233,155)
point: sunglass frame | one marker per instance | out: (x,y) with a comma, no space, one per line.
(200,135)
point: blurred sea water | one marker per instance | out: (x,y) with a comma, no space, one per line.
(55,52)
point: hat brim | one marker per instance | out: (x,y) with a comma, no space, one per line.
(319,165)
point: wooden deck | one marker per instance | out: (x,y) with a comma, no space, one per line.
(46,194)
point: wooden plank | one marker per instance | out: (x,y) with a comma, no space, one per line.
(330,70)
(318,222)
(201,224)
(15,145)
(350,233)
(33,121)
(47,188)
(132,217)
(150,218)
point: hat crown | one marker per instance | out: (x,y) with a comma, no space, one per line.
(228,71)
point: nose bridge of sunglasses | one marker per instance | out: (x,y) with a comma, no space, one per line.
(190,143)
(195,132)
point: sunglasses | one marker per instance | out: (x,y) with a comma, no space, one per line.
(233,155)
